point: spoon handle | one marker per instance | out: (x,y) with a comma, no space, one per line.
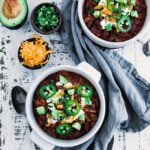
(146,48)
(33,147)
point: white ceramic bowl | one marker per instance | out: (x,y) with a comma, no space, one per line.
(91,75)
(105,43)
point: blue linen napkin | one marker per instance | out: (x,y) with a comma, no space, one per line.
(127,93)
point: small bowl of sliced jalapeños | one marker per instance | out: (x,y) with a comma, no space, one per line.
(46,18)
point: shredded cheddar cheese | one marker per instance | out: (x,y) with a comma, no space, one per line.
(112,20)
(49,121)
(59,106)
(106,11)
(69,119)
(59,94)
(70,86)
(34,53)
(98,7)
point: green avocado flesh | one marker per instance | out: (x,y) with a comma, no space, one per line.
(13,13)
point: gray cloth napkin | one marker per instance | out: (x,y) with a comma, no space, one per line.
(127,93)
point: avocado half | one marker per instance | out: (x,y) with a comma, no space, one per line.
(13,13)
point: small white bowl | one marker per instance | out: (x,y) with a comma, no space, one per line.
(91,75)
(105,43)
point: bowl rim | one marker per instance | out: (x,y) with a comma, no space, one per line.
(32,18)
(106,43)
(43,134)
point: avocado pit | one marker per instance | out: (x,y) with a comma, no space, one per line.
(11,8)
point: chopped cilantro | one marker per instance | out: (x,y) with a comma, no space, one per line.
(108,27)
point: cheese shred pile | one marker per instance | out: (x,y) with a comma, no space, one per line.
(34,53)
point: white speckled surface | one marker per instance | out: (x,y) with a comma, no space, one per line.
(14,132)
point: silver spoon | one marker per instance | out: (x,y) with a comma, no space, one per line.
(18,96)
(146,48)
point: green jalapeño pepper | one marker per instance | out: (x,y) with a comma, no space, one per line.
(47,91)
(85,91)
(96,1)
(124,24)
(114,6)
(64,129)
(72,107)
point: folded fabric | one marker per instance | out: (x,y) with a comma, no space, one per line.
(127,94)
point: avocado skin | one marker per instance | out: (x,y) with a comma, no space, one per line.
(18,25)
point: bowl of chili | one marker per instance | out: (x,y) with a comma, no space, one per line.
(46,18)
(65,105)
(114,23)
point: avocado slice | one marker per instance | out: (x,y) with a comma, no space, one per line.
(13,13)
(77,126)
(63,80)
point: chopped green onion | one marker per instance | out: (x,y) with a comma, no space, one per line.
(47,17)
(108,27)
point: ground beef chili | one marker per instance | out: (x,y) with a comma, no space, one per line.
(66,105)
(115,20)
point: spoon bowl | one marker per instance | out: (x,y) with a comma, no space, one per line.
(18,95)
(146,48)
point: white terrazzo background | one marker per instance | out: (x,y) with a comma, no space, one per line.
(14,132)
